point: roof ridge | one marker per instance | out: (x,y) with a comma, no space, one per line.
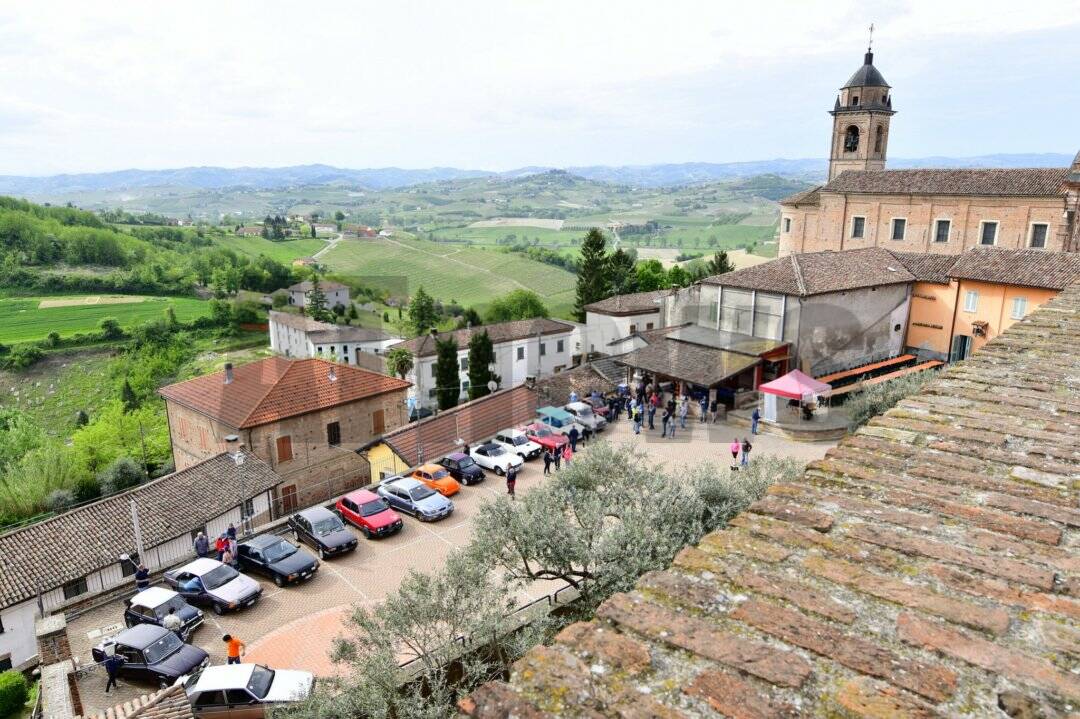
(274,384)
(799,281)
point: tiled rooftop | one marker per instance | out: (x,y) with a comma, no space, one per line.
(168,703)
(632,304)
(275,388)
(424,345)
(927,566)
(1001,182)
(326,331)
(1028,268)
(814,273)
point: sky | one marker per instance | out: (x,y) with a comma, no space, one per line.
(503,84)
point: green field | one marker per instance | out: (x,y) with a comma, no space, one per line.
(469,276)
(21,320)
(284,252)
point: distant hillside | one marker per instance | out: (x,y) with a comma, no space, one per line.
(58,186)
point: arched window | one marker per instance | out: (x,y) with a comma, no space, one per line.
(879,139)
(851,139)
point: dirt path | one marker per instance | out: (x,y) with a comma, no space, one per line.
(330,244)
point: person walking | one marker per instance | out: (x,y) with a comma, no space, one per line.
(573,396)
(234,649)
(712,410)
(663,422)
(220,545)
(173,622)
(558,458)
(637,419)
(511,481)
(567,453)
(746,452)
(142,578)
(547,461)
(202,545)
(112,665)
(573,437)
(704,408)
(586,435)
(754,419)
(684,409)
(654,402)
(735,447)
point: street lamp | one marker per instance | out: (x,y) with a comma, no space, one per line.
(236,451)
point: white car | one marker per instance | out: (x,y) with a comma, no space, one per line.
(514,441)
(243,691)
(208,582)
(498,460)
(584,415)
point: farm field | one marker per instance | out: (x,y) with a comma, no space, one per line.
(469,276)
(23,319)
(284,252)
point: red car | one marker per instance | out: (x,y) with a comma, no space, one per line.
(599,406)
(545,436)
(370,513)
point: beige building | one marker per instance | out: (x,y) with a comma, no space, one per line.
(305,418)
(931,210)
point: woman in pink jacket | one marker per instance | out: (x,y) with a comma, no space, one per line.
(735,447)
(567,453)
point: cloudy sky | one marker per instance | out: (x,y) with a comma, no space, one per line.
(507,83)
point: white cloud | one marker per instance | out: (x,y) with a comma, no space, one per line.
(476,84)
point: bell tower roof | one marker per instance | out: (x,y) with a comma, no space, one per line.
(867,75)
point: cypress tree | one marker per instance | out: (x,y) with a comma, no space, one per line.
(481,354)
(447,382)
(592,282)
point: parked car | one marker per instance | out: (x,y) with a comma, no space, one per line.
(517,442)
(151,606)
(277,559)
(492,456)
(545,436)
(409,495)
(418,413)
(463,468)
(599,406)
(152,654)
(438,478)
(557,419)
(323,530)
(370,513)
(584,416)
(244,691)
(208,582)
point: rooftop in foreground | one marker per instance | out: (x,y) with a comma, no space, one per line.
(927,566)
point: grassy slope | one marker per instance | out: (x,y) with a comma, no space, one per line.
(280,251)
(22,321)
(53,390)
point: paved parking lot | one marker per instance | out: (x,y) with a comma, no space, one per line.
(295,626)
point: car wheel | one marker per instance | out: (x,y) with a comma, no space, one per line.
(366,532)
(163,682)
(499,471)
(218,609)
(296,535)
(522,456)
(322,553)
(278,580)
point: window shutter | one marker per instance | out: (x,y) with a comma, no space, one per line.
(378,421)
(284,448)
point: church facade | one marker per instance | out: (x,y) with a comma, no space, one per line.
(942,211)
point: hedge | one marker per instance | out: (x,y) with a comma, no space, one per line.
(14,691)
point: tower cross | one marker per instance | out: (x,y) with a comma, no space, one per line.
(870,43)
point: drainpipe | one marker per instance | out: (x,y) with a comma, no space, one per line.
(952,322)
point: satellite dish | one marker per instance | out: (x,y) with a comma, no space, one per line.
(492,386)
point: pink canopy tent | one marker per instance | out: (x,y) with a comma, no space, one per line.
(795,385)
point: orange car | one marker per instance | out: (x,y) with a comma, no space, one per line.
(437,478)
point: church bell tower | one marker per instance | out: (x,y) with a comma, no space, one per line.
(860,135)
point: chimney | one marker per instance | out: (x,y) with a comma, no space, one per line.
(228,373)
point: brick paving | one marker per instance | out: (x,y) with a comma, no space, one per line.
(294,627)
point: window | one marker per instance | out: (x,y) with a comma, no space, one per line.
(971,301)
(633,329)
(378,421)
(899,227)
(543,349)
(941,230)
(858,227)
(560,346)
(288,499)
(465,385)
(333,434)
(854,99)
(1038,235)
(211,699)
(851,139)
(520,353)
(318,350)
(649,325)
(1019,308)
(988,233)
(787,224)
(433,370)
(464,362)
(74,589)
(284,448)
(431,393)
(248,510)
(879,139)
(127,569)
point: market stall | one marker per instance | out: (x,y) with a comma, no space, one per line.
(804,393)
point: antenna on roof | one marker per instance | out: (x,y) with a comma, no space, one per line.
(870,42)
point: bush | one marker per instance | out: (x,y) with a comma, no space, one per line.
(59,500)
(86,489)
(110,329)
(122,474)
(14,691)
(879,398)
(23,356)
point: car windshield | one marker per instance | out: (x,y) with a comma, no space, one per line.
(542,432)
(519,440)
(495,451)
(465,462)
(277,552)
(326,526)
(217,577)
(373,507)
(162,648)
(439,474)
(261,679)
(176,603)
(584,410)
(418,493)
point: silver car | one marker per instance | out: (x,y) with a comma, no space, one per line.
(411,496)
(210,583)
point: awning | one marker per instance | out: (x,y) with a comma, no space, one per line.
(795,385)
(700,365)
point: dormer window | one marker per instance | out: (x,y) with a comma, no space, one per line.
(854,99)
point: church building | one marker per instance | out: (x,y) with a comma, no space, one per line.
(942,211)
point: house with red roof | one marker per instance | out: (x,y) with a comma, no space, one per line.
(305,417)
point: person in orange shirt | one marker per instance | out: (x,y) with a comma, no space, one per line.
(234,649)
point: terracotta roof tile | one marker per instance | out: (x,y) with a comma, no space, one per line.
(632,304)
(583,379)
(324,285)
(424,346)
(1007,182)
(1028,268)
(927,566)
(926,266)
(275,388)
(705,366)
(810,197)
(815,273)
(94,534)
(168,703)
